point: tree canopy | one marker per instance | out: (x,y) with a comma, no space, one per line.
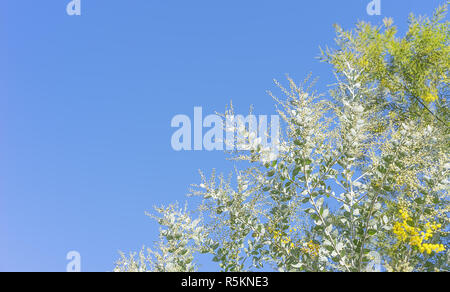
(361,178)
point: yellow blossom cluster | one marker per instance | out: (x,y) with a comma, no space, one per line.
(430,96)
(283,238)
(379,128)
(406,177)
(416,237)
(311,249)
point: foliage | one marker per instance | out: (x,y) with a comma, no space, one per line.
(361,177)
(409,72)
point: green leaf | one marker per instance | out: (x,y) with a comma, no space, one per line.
(419,201)
(295,172)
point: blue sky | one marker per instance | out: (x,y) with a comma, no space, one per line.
(86,103)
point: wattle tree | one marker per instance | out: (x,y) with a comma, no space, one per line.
(359,182)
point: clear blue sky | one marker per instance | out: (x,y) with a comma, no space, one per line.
(86,104)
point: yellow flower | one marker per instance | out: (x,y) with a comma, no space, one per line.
(430,96)
(311,248)
(414,236)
